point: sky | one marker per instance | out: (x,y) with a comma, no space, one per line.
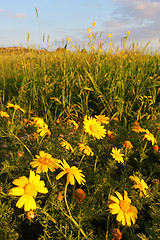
(61,19)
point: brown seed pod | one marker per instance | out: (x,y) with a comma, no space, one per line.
(79,195)
(116,234)
(30,215)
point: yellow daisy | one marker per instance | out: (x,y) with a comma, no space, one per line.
(72,173)
(44,161)
(137,128)
(102,119)
(70,122)
(149,136)
(93,127)
(127,144)
(139,184)
(94,24)
(66,144)
(15,106)
(39,122)
(4,114)
(87,150)
(123,208)
(44,131)
(27,189)
(117,155)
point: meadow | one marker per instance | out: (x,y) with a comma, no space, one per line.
(79,143)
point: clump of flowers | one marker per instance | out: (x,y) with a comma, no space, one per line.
(28,188)
(45,161)
(42,127)
(94,127)
(140,184)
(66,144)
(117,155)
(86,149)
(126,213)
(72,173)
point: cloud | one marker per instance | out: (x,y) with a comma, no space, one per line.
(140,17)
(20,15)
(138,8)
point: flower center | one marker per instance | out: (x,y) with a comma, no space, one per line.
(68,170)
(125,206)
(93,128)
(43,160)
(30,189)
(140,186)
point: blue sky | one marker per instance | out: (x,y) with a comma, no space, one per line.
(61,19)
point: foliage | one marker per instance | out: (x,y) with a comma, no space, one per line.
(61,88)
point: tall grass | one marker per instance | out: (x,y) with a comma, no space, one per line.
(62,87)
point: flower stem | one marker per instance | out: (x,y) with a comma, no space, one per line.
(70,215)
(23,144)
(81,160)
(49,179)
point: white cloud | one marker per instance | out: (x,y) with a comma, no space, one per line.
(20,15)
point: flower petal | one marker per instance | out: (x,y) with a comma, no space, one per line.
(119,195)
(21,182)
(31,176)
(21,201)
(60,175)
(30,204)
(16,191)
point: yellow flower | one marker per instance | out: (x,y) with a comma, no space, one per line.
(123,208)
(68,39)
(149,136)
(44,131)
(27,189)
(44,161)
(127,144)
(93,127)
(66,144)
(109,35)
(139,184)
(4,114)
(87,150)
(117,155)
(39,122)
(102,119)
(137,128)
(128,33)
(75,125)
(15,106)
(93,24)
(89,30)
(72,173)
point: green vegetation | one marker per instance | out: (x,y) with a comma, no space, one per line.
(62,87)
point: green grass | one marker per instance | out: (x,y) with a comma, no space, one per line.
(63,85)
